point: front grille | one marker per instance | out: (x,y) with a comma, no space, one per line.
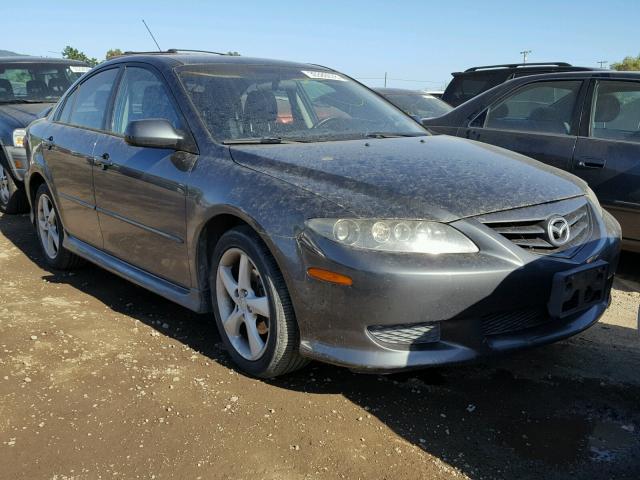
(508,322)
(412,334)
(527,227)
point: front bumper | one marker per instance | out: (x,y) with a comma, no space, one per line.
(17,160)
(481,304)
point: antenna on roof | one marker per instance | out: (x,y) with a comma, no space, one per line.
(154,38)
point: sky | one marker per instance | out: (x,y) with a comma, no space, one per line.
(417,43)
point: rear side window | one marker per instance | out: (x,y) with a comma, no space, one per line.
(141,96)
(92,100)
(615,114)
(465,87)
(543,107)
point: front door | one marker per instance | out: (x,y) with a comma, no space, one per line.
(607,155)
(69,154)
(539,120)
(141,192)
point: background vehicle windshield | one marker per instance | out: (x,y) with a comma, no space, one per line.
(422,106)
(36,82)
(299,104)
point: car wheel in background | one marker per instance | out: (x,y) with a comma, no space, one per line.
(50,232)
(12,198)
(252,307)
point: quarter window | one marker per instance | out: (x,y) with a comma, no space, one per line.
(92,99)
(142,95)
(616,111)
(543,107)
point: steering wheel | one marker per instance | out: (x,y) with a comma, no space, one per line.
(327,120)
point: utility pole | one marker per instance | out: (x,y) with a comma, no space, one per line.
(602,63)
(525,54)
(385,79)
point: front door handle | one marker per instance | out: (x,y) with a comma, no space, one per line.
(102,162)
(48,143)
(589,162)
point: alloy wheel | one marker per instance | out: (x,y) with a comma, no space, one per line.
(243,304)
(5,193)
(48,226)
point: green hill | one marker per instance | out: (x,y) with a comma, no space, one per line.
(7,53)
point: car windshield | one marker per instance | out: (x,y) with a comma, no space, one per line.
(36,82)
(420,104)
(267,104)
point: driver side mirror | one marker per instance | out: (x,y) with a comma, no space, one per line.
(153,133)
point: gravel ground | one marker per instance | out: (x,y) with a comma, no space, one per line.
(99,378)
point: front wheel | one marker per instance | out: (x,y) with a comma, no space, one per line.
(252,307)
(12,198)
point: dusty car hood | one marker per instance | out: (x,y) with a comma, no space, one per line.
(19,115)
(437,177)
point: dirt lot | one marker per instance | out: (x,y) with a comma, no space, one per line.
(99,378)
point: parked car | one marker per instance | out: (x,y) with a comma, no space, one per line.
(28,85)
(435,93)
(348,234)
(587,123)
(416,103)
(473,81)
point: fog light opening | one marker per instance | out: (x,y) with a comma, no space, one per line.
(328,276)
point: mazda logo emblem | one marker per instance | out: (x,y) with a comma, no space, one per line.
(558,231)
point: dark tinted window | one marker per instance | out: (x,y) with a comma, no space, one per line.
(65,114)
(90,107)
(465,87)
(616,111)
(545,107)
(142,95)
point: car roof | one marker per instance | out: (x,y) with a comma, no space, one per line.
(173,58)
(30,59)
(399,91)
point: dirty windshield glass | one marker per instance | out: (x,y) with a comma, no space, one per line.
(36,82)
(307,104)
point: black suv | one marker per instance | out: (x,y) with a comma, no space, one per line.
(587,123)
(473,81)
(28,86)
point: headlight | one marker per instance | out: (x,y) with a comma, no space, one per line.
(408,236)
(594,200)
(18,137)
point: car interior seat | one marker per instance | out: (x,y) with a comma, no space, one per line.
(260,113)
(156,104)
(607,110)
(58,86)
(37,88)
(6,90)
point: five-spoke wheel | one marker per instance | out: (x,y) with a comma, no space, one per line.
(48,226)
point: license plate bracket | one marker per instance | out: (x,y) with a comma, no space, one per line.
(577,289)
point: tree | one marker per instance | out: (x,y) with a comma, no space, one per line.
(75,54)
(114,52)
(629,63)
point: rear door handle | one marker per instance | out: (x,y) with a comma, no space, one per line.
(102,162)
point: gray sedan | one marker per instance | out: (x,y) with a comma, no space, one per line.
(311,217)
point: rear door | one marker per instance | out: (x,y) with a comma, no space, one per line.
(539,119)
(607,153)
(69,155)
(141,192)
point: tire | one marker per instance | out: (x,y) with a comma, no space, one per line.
(48,226)
(13,199)
(243,305)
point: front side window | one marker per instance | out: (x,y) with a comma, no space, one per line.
(92,99)
(615,114)
(142,95)
(543,107)
(26,82)
(238,102)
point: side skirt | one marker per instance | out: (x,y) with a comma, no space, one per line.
(192,299)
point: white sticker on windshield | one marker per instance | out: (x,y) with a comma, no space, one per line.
(324,75)
(79,69)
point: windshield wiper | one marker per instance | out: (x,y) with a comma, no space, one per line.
(257,141)
(392,135)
